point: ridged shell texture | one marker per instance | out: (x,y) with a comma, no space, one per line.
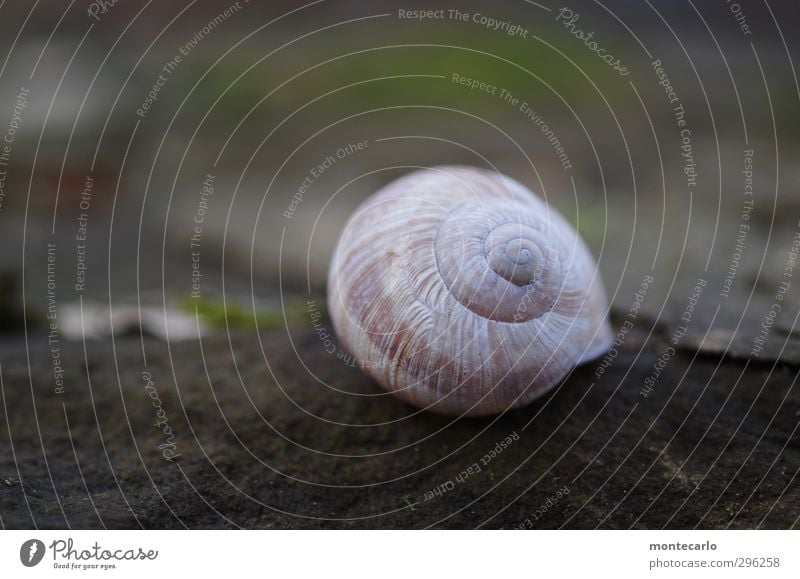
(461,292)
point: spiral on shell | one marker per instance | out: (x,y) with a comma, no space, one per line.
(461,292)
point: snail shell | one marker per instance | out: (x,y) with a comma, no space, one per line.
(461,292)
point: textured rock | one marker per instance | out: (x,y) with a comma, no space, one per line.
(715,443)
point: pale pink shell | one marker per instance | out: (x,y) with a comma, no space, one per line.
(461,292)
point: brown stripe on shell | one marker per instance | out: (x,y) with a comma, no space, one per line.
(438,347)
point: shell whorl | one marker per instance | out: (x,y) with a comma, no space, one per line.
(461,292)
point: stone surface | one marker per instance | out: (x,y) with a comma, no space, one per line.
(714,445)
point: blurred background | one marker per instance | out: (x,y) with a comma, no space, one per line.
(261,93)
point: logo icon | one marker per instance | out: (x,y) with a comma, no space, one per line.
(31,552)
